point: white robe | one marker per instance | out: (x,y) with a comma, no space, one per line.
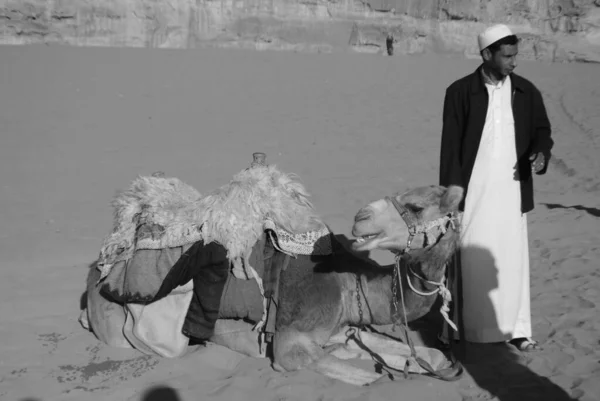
(494,248)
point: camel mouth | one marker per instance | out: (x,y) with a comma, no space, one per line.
(365,238)
(368,241)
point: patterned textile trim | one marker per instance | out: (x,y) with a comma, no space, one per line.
(162,243)
(147,243)
(309,243)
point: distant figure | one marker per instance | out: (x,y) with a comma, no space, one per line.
(389,42)
(495,135)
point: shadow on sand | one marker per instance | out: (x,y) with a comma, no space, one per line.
(589,210)
(160,393)
(156,393)
(498,368)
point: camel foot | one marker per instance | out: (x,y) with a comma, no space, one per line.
(335,368)
(391,352)
(293,351)
(238,336)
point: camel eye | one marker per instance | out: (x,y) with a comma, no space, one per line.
(414,208)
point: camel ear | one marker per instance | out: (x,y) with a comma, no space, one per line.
(451,199)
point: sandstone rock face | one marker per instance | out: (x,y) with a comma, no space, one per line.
(553,30)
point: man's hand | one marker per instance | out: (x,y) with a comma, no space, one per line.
(538,162)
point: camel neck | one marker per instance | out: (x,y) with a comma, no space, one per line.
(375,301)
(430,262)
(375,294)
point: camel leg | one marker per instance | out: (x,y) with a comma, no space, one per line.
(105,319)
(238,336)
(336,368)
(293,350)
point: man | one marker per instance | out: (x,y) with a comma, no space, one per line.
(495,134)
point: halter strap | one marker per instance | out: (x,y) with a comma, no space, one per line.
(408,217)
(414,227)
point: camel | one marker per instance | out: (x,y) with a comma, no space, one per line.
(320,302)
(323,296)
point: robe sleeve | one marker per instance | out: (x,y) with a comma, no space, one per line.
(542,141)
(452,132)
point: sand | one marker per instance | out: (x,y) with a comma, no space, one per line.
(77,124)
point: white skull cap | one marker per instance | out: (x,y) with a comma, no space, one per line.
(492,35)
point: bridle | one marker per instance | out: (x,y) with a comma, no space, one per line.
(415,228)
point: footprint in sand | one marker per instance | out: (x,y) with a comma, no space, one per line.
(92,376)
(51,340)
(589,387)
(583,367)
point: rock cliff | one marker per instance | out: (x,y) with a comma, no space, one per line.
(553,30)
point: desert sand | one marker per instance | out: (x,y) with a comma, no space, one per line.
(77,124)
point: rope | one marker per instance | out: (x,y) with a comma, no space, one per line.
(450,374)
(444,293)
(424,294)
(413,353)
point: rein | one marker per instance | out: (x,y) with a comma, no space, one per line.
(415,228)
(455,371)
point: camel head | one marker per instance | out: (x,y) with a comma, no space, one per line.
(379,225)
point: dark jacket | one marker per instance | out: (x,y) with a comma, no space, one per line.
(465,109)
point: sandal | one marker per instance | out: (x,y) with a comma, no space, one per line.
(525,344)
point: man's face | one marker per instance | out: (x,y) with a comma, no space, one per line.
(504,60)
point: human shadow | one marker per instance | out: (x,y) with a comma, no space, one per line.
(161,393)
(155,393)
(497,367)
(589,210)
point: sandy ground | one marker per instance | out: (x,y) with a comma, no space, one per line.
(77,124)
